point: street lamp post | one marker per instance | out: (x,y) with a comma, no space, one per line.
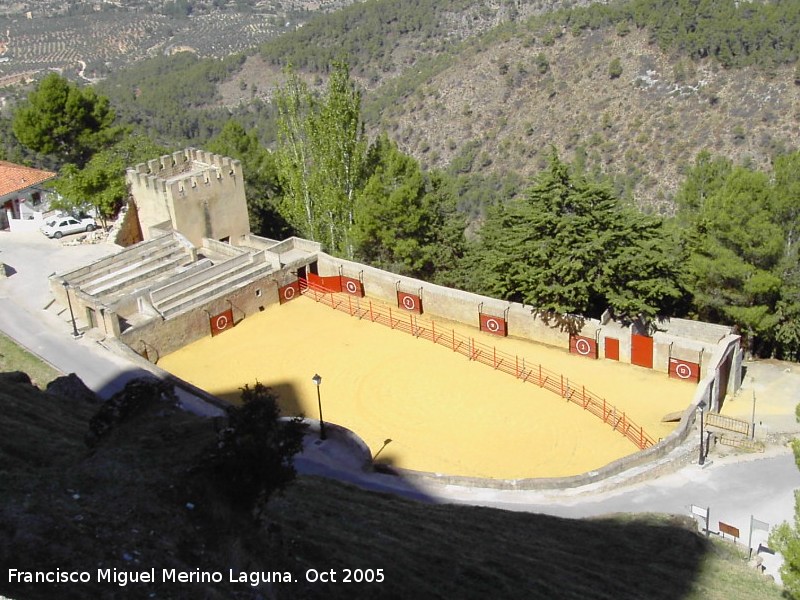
(700,406)
(75,333)
(317,382)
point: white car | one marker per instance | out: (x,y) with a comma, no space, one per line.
(61,226)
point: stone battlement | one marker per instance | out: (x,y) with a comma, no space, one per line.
(199,193)
(184,170)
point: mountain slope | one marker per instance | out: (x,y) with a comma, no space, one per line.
(480,89)
(494,109)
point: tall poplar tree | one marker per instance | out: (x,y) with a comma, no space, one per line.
(321,156)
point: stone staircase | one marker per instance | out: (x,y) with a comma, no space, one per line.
(191,289)
(133,269)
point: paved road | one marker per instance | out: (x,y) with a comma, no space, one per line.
(25,294)
(734,488)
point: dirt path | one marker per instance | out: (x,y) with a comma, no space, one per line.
(441,412)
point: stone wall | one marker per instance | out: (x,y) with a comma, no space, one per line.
(527,323)
(128,230)
(158,336)
(455,305)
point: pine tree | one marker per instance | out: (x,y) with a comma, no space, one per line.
(740,251)
(406,219)
(64,121)
(570,247)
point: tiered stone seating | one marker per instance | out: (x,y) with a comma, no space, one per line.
(137,269)
(198,287)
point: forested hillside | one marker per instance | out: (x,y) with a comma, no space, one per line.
(633,90)
(630,90)
(513,159)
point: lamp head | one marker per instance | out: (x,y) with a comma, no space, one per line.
(316,379)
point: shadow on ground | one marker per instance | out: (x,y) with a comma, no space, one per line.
(135,503)
(288,398)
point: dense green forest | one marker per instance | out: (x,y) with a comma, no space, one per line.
(564,241)
(382,39)
(735,33)
(166,97)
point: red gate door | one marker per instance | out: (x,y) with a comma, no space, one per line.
(642,350)
(612,348)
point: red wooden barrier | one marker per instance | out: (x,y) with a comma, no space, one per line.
(289,292)
(582,345)
(409,302)
(352,286)
(683,369)
(221,322)
(493,325)
(329,284)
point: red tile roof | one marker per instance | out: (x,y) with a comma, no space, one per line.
(14,178)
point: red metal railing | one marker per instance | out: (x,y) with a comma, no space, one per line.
(424,328)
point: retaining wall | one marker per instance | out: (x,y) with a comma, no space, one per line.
(159,337)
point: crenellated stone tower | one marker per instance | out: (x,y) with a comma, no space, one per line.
(197,193)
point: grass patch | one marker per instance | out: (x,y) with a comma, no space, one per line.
(15,358)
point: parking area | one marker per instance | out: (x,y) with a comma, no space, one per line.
(30,258)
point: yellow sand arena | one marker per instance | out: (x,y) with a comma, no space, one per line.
(443,413)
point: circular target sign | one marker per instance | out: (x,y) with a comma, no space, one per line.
(683,371)
(221,322)
(583,347)
(288,293)
(492,325)
(351,287)
(409,302)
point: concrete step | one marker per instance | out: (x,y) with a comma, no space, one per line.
(148,275)
(159,255)
(219,286)
(195,279)
(111,264)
